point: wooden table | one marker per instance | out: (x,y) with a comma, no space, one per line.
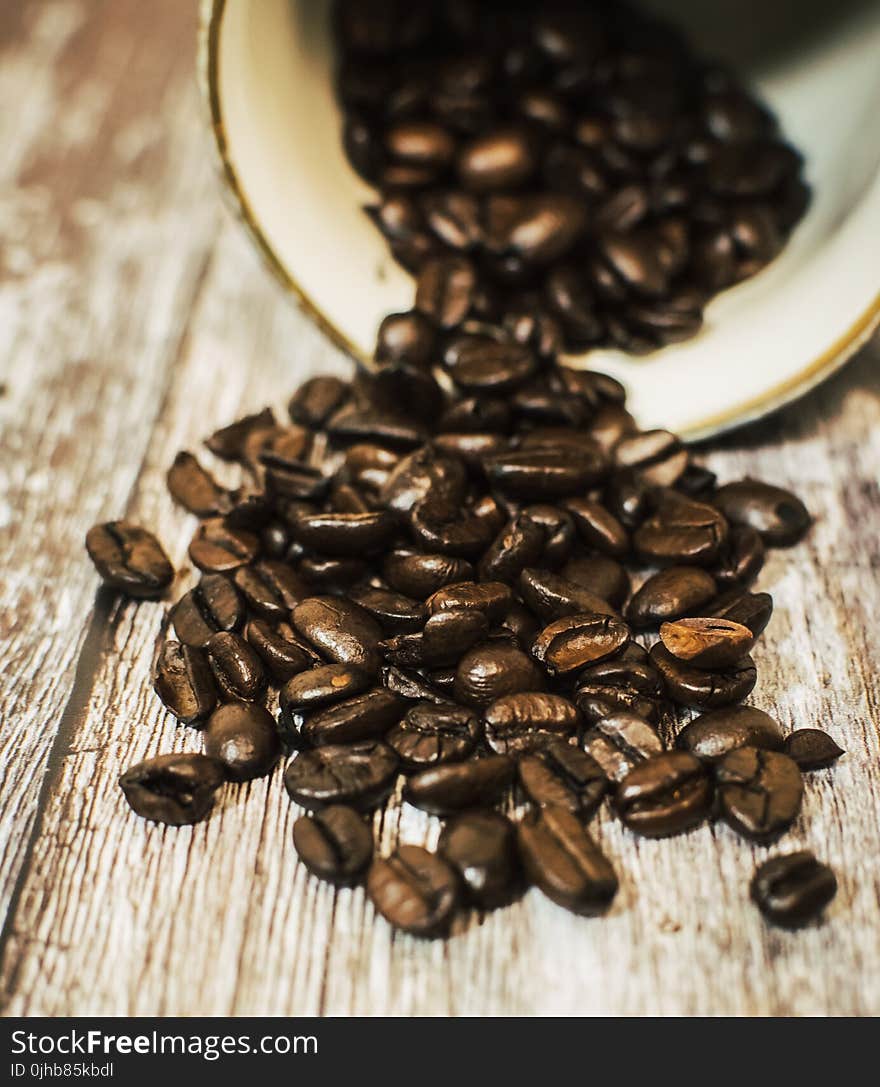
(135,319)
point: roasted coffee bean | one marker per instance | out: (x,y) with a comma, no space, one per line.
(552,596)
(620,741)
(237,667)
(368,465)
(602,576)
(558,529)
(811,748)
(335,844)
(340,630)
(777,515)
(519,544)
(486,366)
(670,594)
(280,648)
(218,548)
(561,858)
(129,558)
(317,399)
(456,786)
(571,298)
(712,735)
(195,489)
(544,473)
(448,635)
(793,889)
(502,159)
(228,442)
(414,890)
(321,686)
(741,557)
(570,643)
(481,847)
(412,685)
(707,643)
(759,792)
(362,425)
(664,795)
(421,475)
(361,775)
(493,669)
(702,689)
(441,525)
(752,610)
(681,531)
(598,528)
(444,291)
(627,495)
(623,683)
(345,533)
(657,455)
(523,722)
(396,613)
(332,575)
(287,479)
(213,605)
(271,588)
(175,789)
(492,598)
(184,682)
(420,143)
(431,733)
(560,775)
(245,739)
(362,717)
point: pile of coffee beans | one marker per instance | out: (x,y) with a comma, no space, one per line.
(443,580)
(439,585)
(567,170)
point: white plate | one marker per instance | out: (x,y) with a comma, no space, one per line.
(267,65)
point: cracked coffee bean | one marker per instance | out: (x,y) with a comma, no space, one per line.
(361,775)
(759,792)
(184,682)
(560,775)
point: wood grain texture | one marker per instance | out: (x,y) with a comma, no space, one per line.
(139,320)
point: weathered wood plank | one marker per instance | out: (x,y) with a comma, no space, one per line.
(99,178)
(114,916)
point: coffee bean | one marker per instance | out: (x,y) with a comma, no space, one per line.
(491,598)
(340,630)
(502,159)
(657,455)
(519,723)
(669,595)
(228,442)
(777,515)
(570,643)
(598,528)
(448,635)
(317,399)
(359,425)
(558,774)
(217,548)
(602,576)
(430,734)
(707,643)
(741,557)
(752,610)
(538,473)
(793,889)
(681,531)
(493,669)
(620,741)
(176,789)
(559,533)
(213,605)
(237,667)
(280,648)
(412,685)
(486,366)
(533,230)
(702,689)
(195,489)
(712,735)
(553,596)
(396,613)
(322,686)
(811,748)
(441,525)
(420,143)
(759,792)
(561,858)
(620,684)
(519,544)
(481,847)
(345,533)
(414,890)
(362,717)
(244,738)
(444,291)
(335,844)
(271,588)
(664,795)
(456,786)
(184,682)
(129,558)
(361,775)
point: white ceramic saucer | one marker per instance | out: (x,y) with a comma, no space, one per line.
(266,68)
